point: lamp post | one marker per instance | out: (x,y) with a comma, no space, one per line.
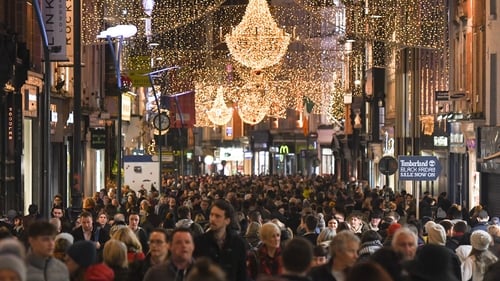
(118,32)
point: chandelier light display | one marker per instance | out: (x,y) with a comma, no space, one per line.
(253,105)
(257,41)
(220,114)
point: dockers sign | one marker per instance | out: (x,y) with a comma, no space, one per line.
(418,168)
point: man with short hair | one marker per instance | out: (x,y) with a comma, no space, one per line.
(159,245)
(296,256)
(482,221)
(41,265)
(222,244)
(344,254)
(180,262)
(87,231)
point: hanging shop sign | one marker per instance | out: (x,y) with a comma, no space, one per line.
(54,17)
(98,138)
(418,168)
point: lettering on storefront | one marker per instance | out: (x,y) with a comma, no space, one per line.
(10,124)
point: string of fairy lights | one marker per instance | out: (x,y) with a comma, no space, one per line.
(192,35)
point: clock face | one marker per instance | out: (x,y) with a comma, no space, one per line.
(161,122)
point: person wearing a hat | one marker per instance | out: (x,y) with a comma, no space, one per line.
(480,258)
(436,235)
(432,263)
(12,268)
(79,257)
(41,265)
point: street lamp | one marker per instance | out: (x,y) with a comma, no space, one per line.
(118,32)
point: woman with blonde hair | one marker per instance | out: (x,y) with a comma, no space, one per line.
(134,248)
(265,259)
(115,256)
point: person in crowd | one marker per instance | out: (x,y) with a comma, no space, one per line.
(57,223)
(58,212)
(222,244)
(61,246)
(392,261)
(18,228)
(99,272)
(405,242)
(325,237)
(12,246)
(79,257)
(134,248)
(142,235)
(356,223)
(310,224)
(158,253)
(181,259)
(297,258)
(482,221)
(432,262)
(12,268)
(391,230)
(41,265)
(437,235)
(368,270)
(89,205)
(205,270)
(494,231)
(343,255)
(115,257)
(87,231)
(102,221)
(370,243)
(266,258)
(185,221)
(32,216)
(375,219)
(253,229)
(320,256)
(480,258)
(458,236)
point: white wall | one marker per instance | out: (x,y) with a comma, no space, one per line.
(150,173)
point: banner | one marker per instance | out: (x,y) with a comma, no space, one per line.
(54,17)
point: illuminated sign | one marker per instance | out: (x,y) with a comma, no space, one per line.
(10,124)
(284,149)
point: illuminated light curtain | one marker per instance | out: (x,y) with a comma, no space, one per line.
(220,114)
(257,41)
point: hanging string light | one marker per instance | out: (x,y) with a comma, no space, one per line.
(220,114)
(257,41)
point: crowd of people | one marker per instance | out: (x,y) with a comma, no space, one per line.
(248,228)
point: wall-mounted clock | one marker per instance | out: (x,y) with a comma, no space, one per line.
(161,122)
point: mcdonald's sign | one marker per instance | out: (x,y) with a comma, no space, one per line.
(284,149)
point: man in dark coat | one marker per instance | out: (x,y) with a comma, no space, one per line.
(222,244)
(87,231)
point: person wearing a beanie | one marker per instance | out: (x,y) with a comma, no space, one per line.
(12,268)
(41,265)
(79,257)
(436,234)
(480,258)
